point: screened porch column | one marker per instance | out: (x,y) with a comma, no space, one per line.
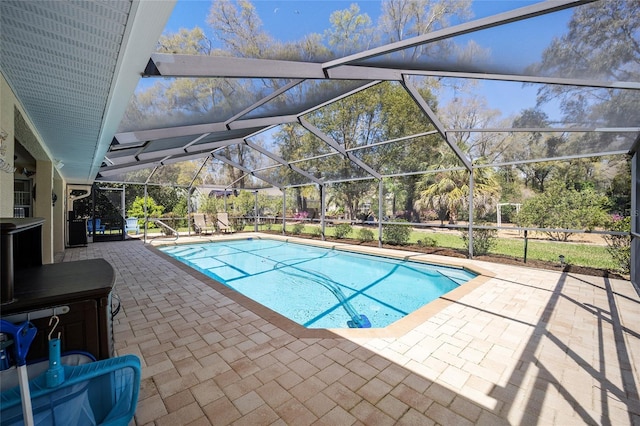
(380,211)
(471,213)
(635,221)
(322,208)
(284,211)
(256,216)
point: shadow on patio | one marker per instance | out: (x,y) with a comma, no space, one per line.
(525,347)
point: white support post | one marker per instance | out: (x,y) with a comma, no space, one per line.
(255,222)
(284,211)
(471,214)
(635,221)
(123,209)
(145,213)
(322,208)
(380,212)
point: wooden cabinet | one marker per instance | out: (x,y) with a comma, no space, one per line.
(78,292)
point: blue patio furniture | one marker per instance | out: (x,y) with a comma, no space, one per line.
(132,225)
(99,228)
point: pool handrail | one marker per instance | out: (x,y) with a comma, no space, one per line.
(161,223)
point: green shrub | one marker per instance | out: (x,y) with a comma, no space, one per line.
(153,210)
(427,242)
(396,234)
(483,240)
(365,235)
(619,246)
(316,232)
(342,230)
(237,224)
(565,208)
(297,229)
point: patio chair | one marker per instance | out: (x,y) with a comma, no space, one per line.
(132,225)
(223,222)
(200,224)
(99,227)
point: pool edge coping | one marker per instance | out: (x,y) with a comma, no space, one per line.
(396,329)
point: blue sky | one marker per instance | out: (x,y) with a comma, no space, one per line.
(288,20)
(291,19)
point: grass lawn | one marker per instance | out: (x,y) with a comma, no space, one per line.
(578,254)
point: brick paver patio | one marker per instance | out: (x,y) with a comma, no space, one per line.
(522,347)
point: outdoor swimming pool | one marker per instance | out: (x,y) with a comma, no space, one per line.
(318,287)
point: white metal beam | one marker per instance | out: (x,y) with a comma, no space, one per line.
(262,122)
(547,130)
(263,101)
(520,78)
(283,162)
(244,169)
(333,144)
(547,159)
(168,132)
(520,14)
(413,92)
(196,66)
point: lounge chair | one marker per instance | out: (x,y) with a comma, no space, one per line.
(223,222)
(200,224)
(132,225)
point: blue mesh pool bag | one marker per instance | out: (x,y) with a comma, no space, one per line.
(98,393)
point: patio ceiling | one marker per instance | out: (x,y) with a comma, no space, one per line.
(82,127)
(73,67)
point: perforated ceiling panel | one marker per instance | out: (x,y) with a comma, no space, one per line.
(59,58)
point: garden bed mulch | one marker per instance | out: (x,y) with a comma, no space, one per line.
(495,258)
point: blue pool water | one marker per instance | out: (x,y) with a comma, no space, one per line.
(318,287)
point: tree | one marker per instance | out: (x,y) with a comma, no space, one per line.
(351,31)
(564,208)
(239,28)
(350,123)
(153,210)
(402,19)
(399,117)
(580,173)
(448,191)
(533,145)
(384,112)
(619,190)
(185,41)
(444,192)
(601,43)
(474,113)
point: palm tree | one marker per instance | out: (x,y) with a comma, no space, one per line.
(447,191)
